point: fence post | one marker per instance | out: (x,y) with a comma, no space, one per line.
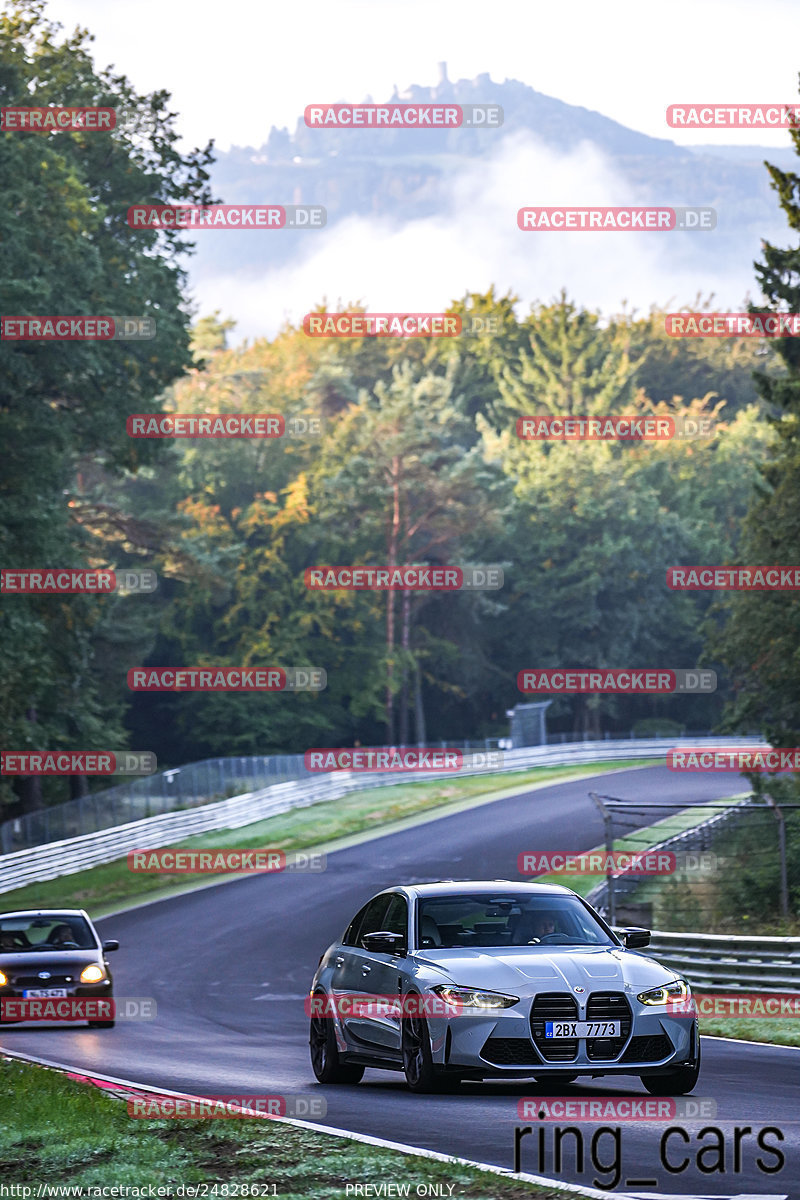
(782,852)
(608,827)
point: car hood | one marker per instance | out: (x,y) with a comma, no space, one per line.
(523,972)
(57,962)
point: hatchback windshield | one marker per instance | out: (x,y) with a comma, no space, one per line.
(506,919)
(54,932)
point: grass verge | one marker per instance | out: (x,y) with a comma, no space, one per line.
(779,1031)
(111,886)
(58,1131)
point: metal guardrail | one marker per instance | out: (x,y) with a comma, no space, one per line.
(730,964)
(189,786)
(68,856)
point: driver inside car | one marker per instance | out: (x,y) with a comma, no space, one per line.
(533,926)
(543,925)
(61,935)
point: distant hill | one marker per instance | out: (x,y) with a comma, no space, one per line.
(405,174)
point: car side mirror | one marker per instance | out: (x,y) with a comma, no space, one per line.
(382,942)
(111,944)
(634,938)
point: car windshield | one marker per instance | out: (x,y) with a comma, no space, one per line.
(506,919)
(22,934)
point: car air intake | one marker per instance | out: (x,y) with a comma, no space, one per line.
(509,1052)
(648,1049)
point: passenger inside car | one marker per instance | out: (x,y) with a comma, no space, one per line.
(13,940)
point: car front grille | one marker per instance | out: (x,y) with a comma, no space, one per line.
(33,981)
(553,1006)
(648,1049)
(608,1006)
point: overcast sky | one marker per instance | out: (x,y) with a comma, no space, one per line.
(235,68)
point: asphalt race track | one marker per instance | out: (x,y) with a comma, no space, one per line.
(230,966)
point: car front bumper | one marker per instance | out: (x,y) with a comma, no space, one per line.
(501,1044)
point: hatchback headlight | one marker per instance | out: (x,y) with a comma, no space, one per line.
(3,979)
(472,998)
(92,974)
(670,993)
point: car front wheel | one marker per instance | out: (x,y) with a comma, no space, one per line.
(677,1083)
(325,1054)
(421,1075)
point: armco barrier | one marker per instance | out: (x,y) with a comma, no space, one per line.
(54,859)
(191,785)
(730,964)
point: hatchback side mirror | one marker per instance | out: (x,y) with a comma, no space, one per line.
(634,937)
(384,943)
(111,944)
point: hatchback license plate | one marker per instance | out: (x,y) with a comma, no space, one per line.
(581,1029)
(43,993)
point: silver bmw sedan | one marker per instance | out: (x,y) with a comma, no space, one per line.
(493,979)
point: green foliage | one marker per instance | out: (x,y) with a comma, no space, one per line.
(749,888)
(417,461)
(760,641)
(68,250)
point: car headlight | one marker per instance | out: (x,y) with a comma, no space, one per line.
(472,998)
(3,980)
(670,993)
(92,974)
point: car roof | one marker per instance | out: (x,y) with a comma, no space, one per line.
(45,912)
(449,887)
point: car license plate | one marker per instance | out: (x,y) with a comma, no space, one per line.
(43,993)
(581,1029)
